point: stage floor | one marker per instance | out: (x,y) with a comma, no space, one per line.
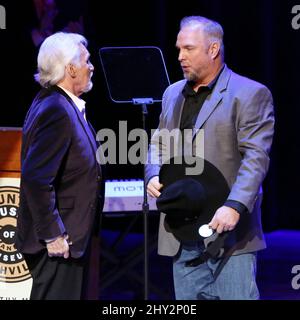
(275,266)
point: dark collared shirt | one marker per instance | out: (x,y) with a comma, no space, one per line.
(192,106)
(194,101)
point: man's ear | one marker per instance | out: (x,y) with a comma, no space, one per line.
(214,49)
(71,69)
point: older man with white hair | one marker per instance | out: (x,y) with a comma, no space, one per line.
(61,182)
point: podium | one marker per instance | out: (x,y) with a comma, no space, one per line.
(15,279)
(10,150)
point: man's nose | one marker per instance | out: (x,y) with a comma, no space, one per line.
(180,55)
(91,67)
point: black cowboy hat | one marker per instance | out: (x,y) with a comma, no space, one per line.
(193,189)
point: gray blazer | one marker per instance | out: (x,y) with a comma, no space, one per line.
(238,123)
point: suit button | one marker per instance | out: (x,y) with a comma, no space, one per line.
(92,206)
(98,178)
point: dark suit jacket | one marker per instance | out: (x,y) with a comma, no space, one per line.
(61,182)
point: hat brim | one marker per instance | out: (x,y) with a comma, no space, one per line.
(216,188)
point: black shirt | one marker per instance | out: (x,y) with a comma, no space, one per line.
(192,105)
(194,102)
(191,108)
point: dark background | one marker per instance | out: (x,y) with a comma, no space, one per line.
(260,43)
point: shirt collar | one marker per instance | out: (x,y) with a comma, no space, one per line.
(80,104)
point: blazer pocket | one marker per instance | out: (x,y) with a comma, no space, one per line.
(66,203)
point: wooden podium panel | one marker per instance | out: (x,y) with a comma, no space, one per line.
(15,278)
(10,151)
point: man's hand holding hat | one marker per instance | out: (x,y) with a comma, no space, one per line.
(225,219)
(154,186)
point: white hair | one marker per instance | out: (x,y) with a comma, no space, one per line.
(56,52)
(211,28)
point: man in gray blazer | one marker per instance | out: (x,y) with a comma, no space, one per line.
(236,115)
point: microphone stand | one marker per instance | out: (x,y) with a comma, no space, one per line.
(143,102)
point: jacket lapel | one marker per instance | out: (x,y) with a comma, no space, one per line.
(214,99)
(208,107)
(85,127)
(81,119)
(177,111)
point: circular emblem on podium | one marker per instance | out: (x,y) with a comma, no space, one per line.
(13,267)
